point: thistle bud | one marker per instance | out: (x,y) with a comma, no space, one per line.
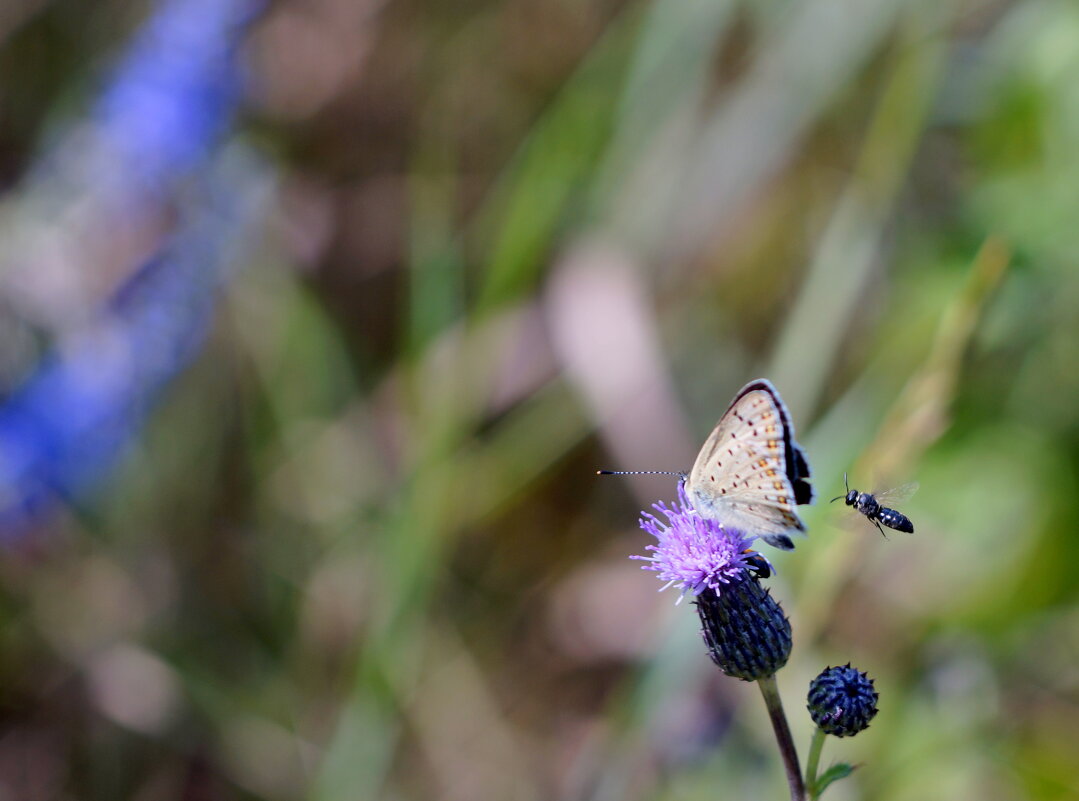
(842,701)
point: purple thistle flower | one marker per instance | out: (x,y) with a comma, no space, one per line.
(693,551)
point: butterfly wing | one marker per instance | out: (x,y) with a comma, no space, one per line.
(751,474)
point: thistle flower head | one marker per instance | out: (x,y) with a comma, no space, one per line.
(842,701)
(691,551)
(746,632)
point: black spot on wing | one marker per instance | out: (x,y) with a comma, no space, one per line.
(798,472)
(781,541)
(801,466)
(803,492)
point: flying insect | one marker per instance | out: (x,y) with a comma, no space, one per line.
(870,505)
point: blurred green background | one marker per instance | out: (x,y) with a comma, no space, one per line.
(359,551)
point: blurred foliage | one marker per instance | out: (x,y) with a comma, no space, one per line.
(358,551)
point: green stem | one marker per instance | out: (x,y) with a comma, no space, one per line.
(770,691)
(814,760)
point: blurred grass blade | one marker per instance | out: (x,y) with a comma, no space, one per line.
(849,250)
(665,88)
(543,187)
(917,418)
(436,269)
(755,130)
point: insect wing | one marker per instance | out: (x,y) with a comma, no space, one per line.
(750,474)
(897,494)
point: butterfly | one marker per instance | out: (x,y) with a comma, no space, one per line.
(750,473)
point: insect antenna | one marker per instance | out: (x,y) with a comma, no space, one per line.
(640,473)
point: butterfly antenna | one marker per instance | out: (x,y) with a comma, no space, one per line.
(639,473)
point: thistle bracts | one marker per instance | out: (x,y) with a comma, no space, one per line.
(746,632)
(842,701)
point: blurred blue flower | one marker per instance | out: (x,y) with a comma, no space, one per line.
(164,106)
(153,141)
(68,422)
(173,93)
(692,551)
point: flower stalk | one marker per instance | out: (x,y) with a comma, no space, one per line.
(787,751)
(813,762)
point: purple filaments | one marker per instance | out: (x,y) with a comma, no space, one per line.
(692,551)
